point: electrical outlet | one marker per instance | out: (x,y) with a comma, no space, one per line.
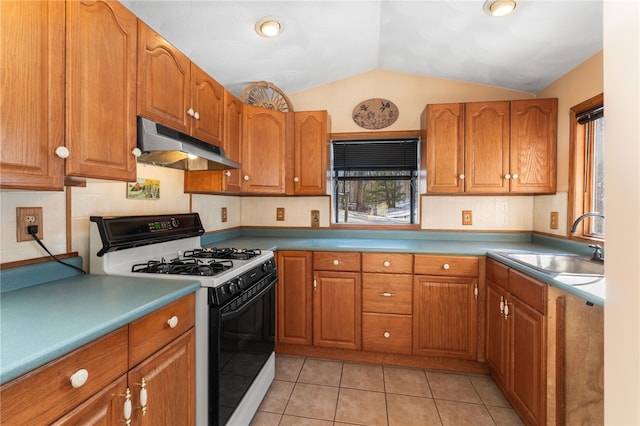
(553,220)
(27,216)
(315,218)
(467,217)
(280,214)
(223,214)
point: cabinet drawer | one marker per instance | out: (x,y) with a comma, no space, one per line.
(336,261)
(498,273)
(387,263)
(533,293)
(386,333)
(150,333)
(387,293)
(45,394)
(454,266)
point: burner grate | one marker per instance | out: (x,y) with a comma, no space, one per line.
(223,253)
(190,266)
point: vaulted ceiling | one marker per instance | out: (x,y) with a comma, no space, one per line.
(324,41)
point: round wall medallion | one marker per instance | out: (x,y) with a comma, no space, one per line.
(376,113)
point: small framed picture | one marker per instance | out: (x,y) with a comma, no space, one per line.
(144,189)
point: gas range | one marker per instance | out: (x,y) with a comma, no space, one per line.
(235,305)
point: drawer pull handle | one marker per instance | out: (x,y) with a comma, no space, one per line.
(336,262)
(143,396)
(386,263)
(386,334)
(387,294)
(446,267)
(79,378)
(126,409)
(173,321)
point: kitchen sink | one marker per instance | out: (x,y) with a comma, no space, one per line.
(571,264)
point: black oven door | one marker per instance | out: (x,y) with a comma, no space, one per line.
(242,337)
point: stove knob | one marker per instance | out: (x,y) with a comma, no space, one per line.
(241,284)
(175,222)
(267,266)
(232,287)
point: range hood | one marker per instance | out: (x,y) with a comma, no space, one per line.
(163,146)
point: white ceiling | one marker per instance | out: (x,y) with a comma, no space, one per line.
(324,41)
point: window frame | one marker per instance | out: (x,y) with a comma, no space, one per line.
(579,193)
(403,134)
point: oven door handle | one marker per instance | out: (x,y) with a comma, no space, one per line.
(247,304)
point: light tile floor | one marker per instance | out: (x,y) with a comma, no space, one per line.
(311,391)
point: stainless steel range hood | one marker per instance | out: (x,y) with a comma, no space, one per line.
(163,146)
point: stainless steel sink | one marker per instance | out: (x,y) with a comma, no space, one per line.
(558,263)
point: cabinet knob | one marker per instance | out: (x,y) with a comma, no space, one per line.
(227,173)
(386,334)
(62,151)
(336,262)
(514,176)
(136,152)
(190,112)
(461,177)
(79,378)
(507,176)
(173,321)
(245,177)
(446,267)
(196,115)
(296,179)
(386,263)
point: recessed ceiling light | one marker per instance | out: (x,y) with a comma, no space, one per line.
(499,7)
(268,27)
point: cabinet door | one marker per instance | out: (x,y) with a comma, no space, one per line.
(445,317)
(104,408)
(337,309)
(208,103)
(294,297)
(310,151)
(444,126)
(497,355)
(101,89)
(164,81)
(169,377)
(533,145)
(232,141)
(263,150)
(487,147)
(527,371)
(31,94)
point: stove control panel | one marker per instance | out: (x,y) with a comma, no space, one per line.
(243,285)
(162,225)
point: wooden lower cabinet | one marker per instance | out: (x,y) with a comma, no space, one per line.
(294,295)
(337,309)
(516,345)
(46,395)
(389,333)
(445,316)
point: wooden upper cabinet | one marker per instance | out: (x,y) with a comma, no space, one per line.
(443,133)
(31,94)
(264,150)
(100,90)
(164,81)
(310,153)
(208,104)
(232,181)
(533,145)
(487,147)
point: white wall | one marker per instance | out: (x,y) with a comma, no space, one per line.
(622,180)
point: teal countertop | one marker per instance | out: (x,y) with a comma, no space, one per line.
(42,322)
(476,244)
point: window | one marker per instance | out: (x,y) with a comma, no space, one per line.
(586,179)
(375,181)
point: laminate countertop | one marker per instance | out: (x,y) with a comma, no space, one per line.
(43,322)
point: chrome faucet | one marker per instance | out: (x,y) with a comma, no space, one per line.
(597,250)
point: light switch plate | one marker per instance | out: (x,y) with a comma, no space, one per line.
(280,214)
(223,214)
(315,218)
(467,217)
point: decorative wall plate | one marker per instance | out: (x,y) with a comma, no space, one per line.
(376,113)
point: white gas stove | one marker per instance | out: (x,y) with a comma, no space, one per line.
(235,307)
